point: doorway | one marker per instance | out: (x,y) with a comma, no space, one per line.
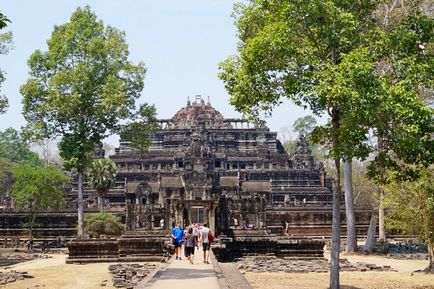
(198,214)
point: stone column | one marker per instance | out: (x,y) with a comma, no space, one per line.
(211,216)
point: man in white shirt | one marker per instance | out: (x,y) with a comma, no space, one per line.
(205,242)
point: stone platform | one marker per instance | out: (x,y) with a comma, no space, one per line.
(133,246)
(238,243)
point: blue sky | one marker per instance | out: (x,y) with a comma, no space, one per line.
(180,41)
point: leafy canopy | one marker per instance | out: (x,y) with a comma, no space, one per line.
(17,150)
(139,133)
(283,49)
(333,57)
(82,87)
(412,204)
(37,189)
(3,21)
(5,46)
(102,175)
(99,224)
(304,125)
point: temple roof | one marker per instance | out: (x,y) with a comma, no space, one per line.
(197,110)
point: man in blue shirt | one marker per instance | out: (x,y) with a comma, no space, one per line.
(177,235)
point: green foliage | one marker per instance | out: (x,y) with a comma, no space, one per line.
(364,189)
(5,46)
(99,224)
(101,175)
(304,125)
(38,188)
(411,206)
(334,58)
(140,132)
(3,21)
(6,176)
(16,150)
(82,87)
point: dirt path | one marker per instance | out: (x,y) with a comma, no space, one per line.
(403,279)
(53,273)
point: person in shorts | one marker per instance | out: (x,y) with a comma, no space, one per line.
(177,235)
(205,242)
(190,243)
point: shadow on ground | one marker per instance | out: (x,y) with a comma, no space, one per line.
(178,273)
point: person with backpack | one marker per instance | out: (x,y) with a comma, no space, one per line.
(177,235)
(190,243)
(206,238)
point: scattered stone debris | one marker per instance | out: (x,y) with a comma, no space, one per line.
(258,265)
(10,258)
(414,256)
(12,276)
(128,275)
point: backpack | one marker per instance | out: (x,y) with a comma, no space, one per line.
(210,236)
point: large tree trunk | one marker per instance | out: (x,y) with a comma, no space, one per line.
(336,232)
(381,225)
(351,245)
(370,240)
(336,223)
(431,256)
(80,226)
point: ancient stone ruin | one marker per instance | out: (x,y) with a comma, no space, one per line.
(202,167)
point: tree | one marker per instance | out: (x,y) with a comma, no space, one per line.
(13,151)
(304,125)
(5,46)
(103,224)
(37,189)
(80,90)
(101,175)
(3,21)
(405,66)
(16,149)
(6,177)
(412,208)
(139,132)
(285,48)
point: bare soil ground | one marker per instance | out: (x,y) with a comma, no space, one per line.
(403,279)
(53,273)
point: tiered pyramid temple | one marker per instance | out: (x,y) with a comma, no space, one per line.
(202,167)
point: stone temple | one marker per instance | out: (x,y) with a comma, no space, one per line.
(202,167)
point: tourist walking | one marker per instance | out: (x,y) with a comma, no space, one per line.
(205,242)
(177,237)
(190,243)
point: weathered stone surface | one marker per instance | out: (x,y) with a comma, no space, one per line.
(252,264)
(12,276)
(139,245)
(129,275)
(265,246)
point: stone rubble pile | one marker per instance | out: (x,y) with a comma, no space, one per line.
(11,258)
(258,265)
(12,276)
(129,275)
(414,256)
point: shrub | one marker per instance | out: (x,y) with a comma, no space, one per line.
(99,224)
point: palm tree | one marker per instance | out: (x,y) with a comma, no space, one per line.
(101,175)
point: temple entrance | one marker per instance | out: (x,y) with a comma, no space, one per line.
(185,218)
(198,214)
